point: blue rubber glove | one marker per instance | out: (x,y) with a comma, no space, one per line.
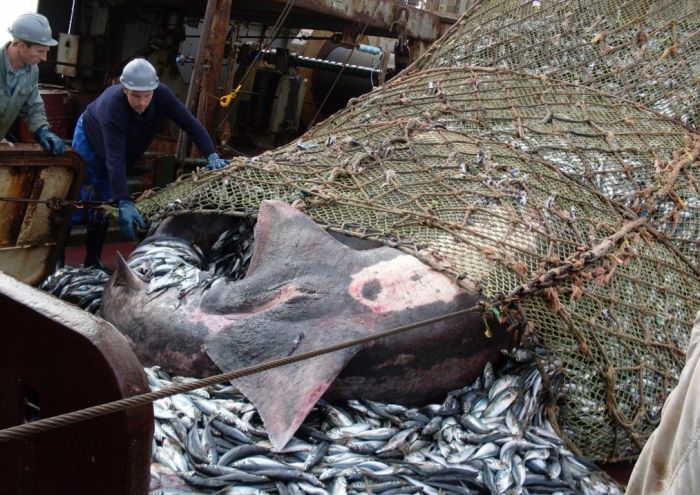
(214,162)
(50,141)
(128,214)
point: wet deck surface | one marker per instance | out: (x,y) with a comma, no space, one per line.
(75,255)
(620,471)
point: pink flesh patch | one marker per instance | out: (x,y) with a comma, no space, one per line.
(405,283)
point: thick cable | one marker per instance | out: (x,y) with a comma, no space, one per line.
(46,424)
(56,203)
(251,68)
(549,278)
(345,64)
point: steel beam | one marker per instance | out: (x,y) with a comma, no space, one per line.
(381,15)
(203,93)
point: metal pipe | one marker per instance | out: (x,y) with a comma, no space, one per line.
(210,90)
(194,90)
(312,63)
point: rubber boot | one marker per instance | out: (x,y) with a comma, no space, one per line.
(94,240)
(60,259)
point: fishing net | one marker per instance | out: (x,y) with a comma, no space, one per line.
(503,181)
(645,50)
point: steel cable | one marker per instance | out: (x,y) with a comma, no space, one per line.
(563,271)
(46,424)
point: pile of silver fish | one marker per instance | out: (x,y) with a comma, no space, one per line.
(167,262)
(164,262)
(232,251)
(492,436)
(80,286)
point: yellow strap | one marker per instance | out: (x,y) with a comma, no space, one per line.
(226,100)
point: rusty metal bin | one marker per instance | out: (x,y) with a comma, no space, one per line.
(56,108)
(31,233)
(55,359)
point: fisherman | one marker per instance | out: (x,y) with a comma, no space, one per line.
(113,132)
(19,77)
(669,460)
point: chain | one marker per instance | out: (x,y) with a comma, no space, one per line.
(573,264)
(59,203)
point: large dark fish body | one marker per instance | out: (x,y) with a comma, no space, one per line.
(478,182)
(306,290)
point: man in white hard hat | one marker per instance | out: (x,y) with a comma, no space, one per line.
(19,76)
(114,131)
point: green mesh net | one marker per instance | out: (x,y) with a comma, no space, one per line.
(644,50)
(508,182)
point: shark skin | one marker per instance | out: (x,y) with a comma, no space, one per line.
(305,290)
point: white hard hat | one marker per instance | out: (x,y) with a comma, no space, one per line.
(139,75)
(34,28)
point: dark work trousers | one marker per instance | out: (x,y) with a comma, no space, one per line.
(95,188)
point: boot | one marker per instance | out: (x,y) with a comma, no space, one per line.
(61,252)
(94,240)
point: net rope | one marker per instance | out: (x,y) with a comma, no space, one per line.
(644,50)
(495,177)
